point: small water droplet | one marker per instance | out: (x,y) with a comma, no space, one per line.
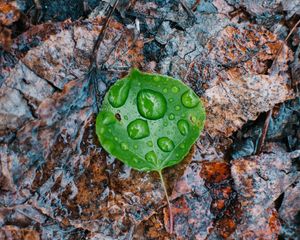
(165,90)
(177,107)
(189,99)
(175,89)
(165,144)
(171,100)
(151,104)
(171,116)
(183,127)
(118,93)
(177,155)
(165,124)
(151,157)
(138,129)
(182,145)
(126,117)
(150,143)
(109,130)
(116,138)
(135,160)
(193,119)
(124,146)
(135,146)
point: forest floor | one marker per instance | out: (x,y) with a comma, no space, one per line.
(58,58)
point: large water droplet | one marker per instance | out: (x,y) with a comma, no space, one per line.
(183,127)
(151,104)
(189,99)
(165,144)
(138,129)
(118,93)
(151,157)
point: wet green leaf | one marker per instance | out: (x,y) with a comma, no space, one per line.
(149,121)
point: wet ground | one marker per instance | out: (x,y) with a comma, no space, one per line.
(56,182)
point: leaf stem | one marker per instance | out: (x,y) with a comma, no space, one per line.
(168,201)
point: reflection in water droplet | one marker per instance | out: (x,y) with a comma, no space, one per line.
(138,129)
(118,93)
(151,157)
(171,116)
(124,146)
(175,89)
(151,104)
(183,127)
(150,143)
(189,99)
(165,144)
(165,90)
(107,117)
(177,108)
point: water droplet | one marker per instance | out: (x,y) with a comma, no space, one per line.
(171,100)
(177,155)
(181,145)
(138,129)
(165,124)
(193,119)
(116,138)
(177,108)
(175,89)
(165,90)
(124,146)
(151,157)
(183,127)
(135,160)
(165,144)
(150,143)
(107,117)
(118,93)
(189,99)
(171,116)
(108,145)
(151,104)
(109,130)
(135,146)
(126,117)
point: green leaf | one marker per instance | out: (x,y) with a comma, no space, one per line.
(149,121)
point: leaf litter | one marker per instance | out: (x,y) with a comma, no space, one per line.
(55,179)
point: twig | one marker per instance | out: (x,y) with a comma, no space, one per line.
(264,132)
(189,11)
(269,114)
(101,36)
(168,201)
